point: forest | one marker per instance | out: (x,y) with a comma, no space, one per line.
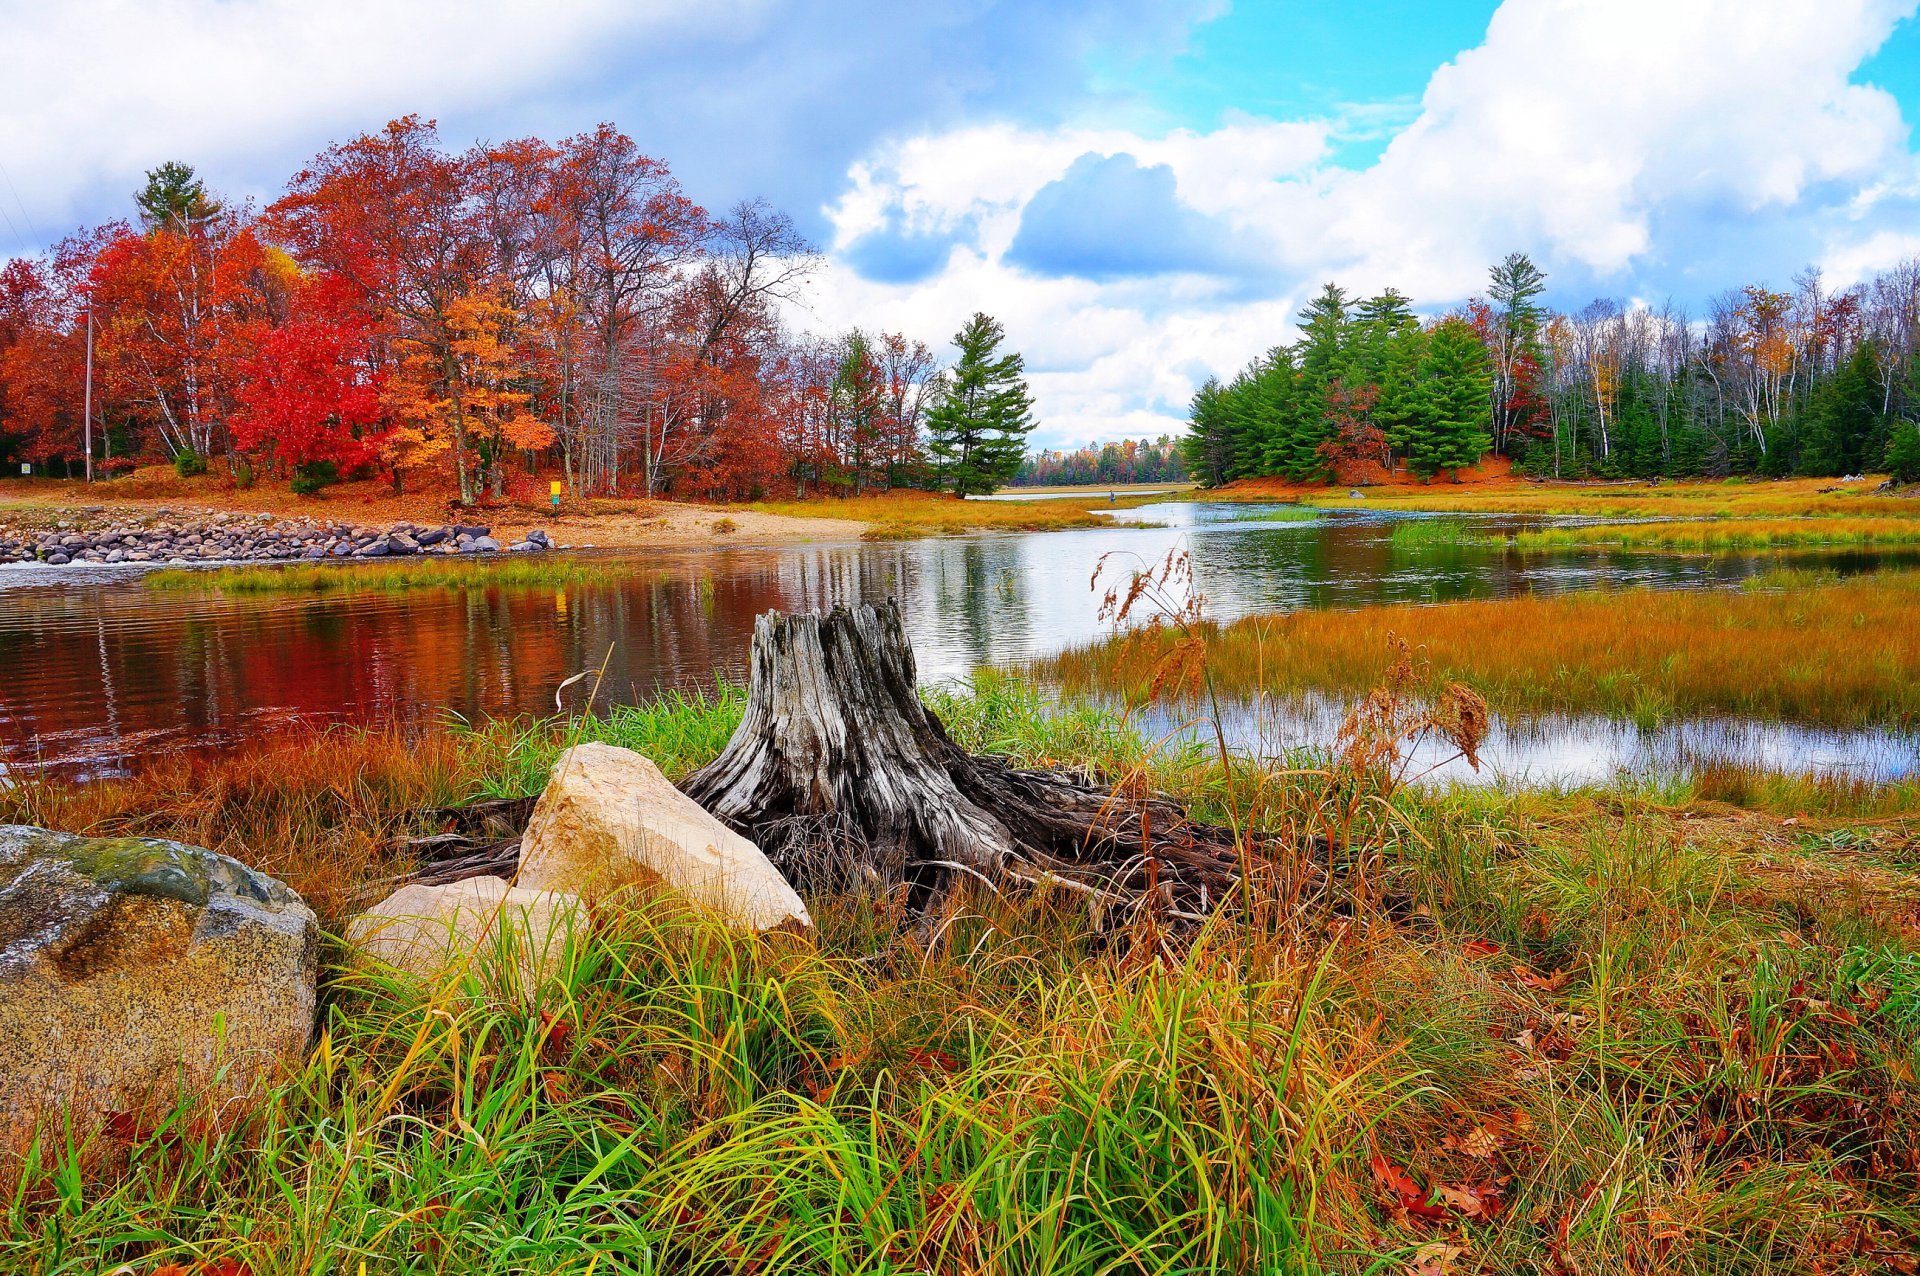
(474,319)
(1128,461)
(1814,382)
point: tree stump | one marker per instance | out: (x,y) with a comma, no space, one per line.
(838,770)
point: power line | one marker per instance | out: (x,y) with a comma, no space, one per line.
(23,210)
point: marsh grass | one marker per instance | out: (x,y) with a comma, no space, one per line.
(392,577)
(1413,532)
(1728,534)
(899,515)
(1800,647)
(1592,1030)
(1787,498)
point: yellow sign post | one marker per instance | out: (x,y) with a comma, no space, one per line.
(554,488)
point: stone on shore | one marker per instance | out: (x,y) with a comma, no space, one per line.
(136,972)
(609,819)
(481,925)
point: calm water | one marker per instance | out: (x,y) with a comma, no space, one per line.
(97,671)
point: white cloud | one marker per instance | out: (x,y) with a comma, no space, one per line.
(94,92)
(1577,131)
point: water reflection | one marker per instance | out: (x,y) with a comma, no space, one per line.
(1561,749)
(97,670)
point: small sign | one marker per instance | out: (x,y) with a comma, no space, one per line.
(26,467)
(554,487)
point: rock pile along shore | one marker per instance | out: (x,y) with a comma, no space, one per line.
(247,538)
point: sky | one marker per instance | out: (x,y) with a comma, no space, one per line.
(1143,191)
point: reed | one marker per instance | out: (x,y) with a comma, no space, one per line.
(1840,652)
(401,576)
(1600,1029)
(1729,534)
(1784,498)
(897,515)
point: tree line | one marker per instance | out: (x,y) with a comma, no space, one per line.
(1813,382)
(478,318)
(1128,461)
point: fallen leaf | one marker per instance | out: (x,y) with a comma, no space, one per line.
(1480,948)
(1412,1198)
(1435,1258)
(1546,983)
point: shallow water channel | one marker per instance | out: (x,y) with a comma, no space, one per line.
(97,670)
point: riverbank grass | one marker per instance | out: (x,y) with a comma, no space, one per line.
(1797,646)
(902,515)
(401,575)
(1833,531)
(1599,1030)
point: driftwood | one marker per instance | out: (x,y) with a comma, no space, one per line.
(841,775)
(838,769)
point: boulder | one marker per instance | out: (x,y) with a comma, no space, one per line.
(609,819)
(136,971)
(484,545)
(430,932)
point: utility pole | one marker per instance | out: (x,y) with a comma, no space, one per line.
(87,409)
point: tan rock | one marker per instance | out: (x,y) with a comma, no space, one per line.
(481,925)
(610,819)
(135,972)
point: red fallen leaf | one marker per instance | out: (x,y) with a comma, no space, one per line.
(1473,1200)
(169,1269)
(555,1084)
(125,1127)
(1480,948)
(557,1031)
(1396,1180)
(1546,983)
(225,1267)
(933,1059)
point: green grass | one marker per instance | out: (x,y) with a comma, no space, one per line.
(1639,1030)
(399,576)
(1408,532)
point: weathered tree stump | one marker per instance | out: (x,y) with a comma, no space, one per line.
(837,769)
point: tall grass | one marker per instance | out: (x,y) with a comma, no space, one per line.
(1411,532)
(1838,652)
(1593,1029)
(1788,498)
(903,514)
(400,576)
(1743,533)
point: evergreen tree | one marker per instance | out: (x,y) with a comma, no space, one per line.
(1903,453)
(1208,444)
(1843,423)
(1455,383)
(174,199)
(977,431)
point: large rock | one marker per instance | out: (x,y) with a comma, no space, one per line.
(133,970)
(481,925)
(610,819)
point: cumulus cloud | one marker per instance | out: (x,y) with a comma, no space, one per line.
(1109,218)
(743,97)
(1633,147)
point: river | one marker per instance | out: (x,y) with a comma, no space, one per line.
(100,671)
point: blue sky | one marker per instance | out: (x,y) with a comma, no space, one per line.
(1143,190)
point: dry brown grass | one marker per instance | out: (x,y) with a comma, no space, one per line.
(1835,652)
(1785,498)
(1730,534)
(898,514)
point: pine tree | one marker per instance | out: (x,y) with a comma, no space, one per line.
(1903,453)
(978,430)
(174,199)
(1455,384)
